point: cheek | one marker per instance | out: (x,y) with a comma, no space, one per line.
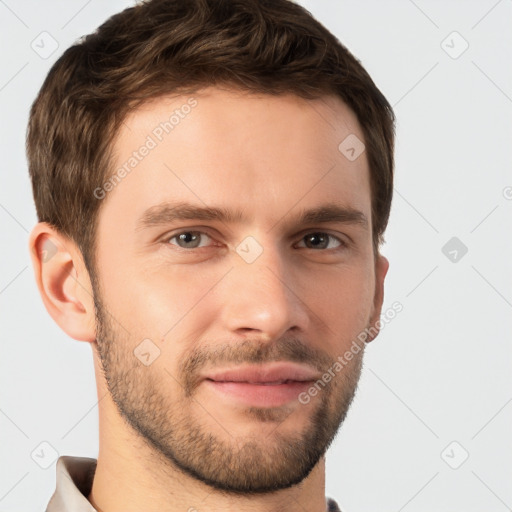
(341,298)
(166,301)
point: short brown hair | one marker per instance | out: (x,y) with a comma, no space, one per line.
(161,47)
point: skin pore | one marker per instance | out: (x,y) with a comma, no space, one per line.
(169,442)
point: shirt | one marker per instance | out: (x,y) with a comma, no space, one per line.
(74,483)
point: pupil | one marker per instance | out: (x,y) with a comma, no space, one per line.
(312,238)
(186,237)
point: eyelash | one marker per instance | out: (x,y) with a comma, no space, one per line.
(342,243)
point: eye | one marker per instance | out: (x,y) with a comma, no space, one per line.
(315,240)
(320,240)
(188,239)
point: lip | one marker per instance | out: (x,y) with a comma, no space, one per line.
(269,373)
(261,386)
(258,395)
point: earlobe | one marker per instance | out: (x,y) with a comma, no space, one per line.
(63,281)
(381,269)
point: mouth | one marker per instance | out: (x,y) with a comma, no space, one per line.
(275,383)
(259,394)
(275,373)
(262,386)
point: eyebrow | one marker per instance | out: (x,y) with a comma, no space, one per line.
(166,213)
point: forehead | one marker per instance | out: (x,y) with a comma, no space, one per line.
(259,153)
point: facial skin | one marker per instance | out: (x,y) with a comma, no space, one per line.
(168,441)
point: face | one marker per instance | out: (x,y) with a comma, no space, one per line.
(239,239)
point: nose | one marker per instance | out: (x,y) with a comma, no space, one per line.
(260,298)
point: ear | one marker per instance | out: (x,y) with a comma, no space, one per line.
(63,281)
(381,269)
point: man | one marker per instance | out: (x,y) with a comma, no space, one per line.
(213,179)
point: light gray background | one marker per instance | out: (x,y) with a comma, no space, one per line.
(438,373)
